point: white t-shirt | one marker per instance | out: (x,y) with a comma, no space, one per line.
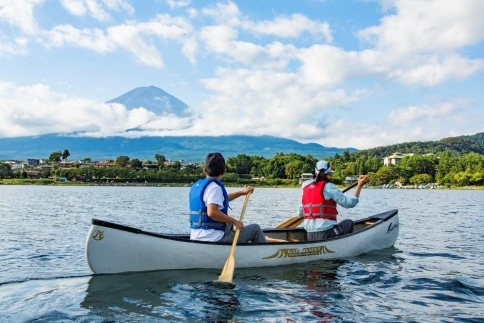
(213,195)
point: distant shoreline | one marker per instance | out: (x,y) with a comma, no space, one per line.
(51,183)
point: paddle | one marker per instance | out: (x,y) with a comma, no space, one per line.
(228,270)
(297,220)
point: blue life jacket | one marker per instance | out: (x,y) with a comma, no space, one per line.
(198,210)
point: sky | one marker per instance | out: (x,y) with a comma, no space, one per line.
(341,73)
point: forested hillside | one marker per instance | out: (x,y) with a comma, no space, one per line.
(456,161)
(450,162)
(459,145)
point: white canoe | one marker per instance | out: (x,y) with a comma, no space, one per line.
(114,248)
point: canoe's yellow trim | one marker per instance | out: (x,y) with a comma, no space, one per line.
(269,239)
(298,252)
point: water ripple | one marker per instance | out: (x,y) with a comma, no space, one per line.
(430,254)
(433,274)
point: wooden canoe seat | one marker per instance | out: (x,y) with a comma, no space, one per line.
(269,239)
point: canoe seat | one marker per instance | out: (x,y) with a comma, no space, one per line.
(269,239)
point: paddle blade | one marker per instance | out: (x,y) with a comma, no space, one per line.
(228,271)
(296,223)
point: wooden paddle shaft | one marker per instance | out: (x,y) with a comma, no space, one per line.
(236,235)
(350,187)
(244,207)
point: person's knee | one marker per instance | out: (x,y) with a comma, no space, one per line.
(347,226)
(257,233)
(253,227)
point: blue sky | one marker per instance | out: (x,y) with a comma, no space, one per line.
(343,73)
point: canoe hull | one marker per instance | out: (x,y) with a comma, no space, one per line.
(112,248)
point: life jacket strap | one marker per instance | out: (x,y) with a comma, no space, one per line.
(199,215)
(319,211)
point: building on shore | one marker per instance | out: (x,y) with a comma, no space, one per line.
(394,158)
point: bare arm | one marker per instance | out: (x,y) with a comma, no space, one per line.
(216,214)
(346,201)
(244,191)
(361,182)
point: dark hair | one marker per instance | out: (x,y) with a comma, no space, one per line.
(323,177)
(214,164)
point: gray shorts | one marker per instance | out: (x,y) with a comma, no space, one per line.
(344,227)
(250,233)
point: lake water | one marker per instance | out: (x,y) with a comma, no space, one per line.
(434,273)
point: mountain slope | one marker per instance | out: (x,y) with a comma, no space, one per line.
(154,99)
(174,148)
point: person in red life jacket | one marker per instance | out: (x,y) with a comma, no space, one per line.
(318,204)
(209,204)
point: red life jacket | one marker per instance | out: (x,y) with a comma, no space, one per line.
(315,206)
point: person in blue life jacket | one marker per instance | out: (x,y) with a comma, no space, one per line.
(318,204)
(209,204)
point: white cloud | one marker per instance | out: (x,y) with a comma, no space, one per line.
(420,44)
(17,47)
(428,26)
(36,109)
(324,65)
(129,38)
(20,14)
(222,40)
(265,102)
(132,36)
(74,7)
(95,8)
(261,77)
(223,13)
(190,49)
(218,39)
(94,39)
(423,114)
(434,70)
(165,26)
(177,3)
(288,27)
(119,5)
(125,37)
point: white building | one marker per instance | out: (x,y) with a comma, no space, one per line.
(394,159)
(305,176)
(351,179)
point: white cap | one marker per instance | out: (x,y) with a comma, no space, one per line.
(323,165)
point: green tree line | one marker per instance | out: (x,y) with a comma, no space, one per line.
(446,168)
(458,145)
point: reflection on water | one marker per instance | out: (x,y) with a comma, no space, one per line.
(303,292)
(169,295)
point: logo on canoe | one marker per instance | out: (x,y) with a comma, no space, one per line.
(98,235)
(392,227)
(297,252)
